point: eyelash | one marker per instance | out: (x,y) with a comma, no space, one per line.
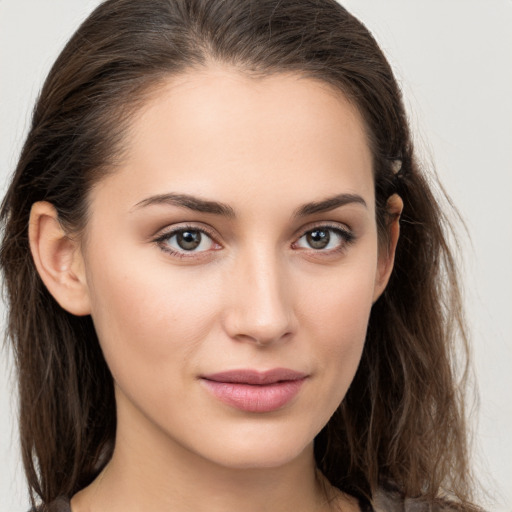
(347,238)
(162,240)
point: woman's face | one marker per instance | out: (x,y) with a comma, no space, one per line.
(231,264)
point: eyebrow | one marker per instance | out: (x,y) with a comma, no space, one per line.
(331,203)
(216,208)
(189,202)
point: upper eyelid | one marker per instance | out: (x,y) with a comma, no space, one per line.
(168,231)
(165,235)
(336,226)
(345,233)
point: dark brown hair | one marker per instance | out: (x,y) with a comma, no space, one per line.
(401,424)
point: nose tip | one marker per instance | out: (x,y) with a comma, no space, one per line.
(260,309)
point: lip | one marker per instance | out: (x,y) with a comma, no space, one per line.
(255,391)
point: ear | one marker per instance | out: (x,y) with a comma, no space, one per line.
(58,259)
(394,207)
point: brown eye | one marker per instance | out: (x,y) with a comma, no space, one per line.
(188,240)
(325,238)
(318,238)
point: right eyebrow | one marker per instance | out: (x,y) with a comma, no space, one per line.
(189,202)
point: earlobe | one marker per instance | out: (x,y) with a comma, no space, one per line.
(58,259)
(386,261)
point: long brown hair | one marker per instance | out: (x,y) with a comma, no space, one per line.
(401,425)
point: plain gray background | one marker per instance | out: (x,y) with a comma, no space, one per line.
(454,60)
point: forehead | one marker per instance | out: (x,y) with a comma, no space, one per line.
(215,129)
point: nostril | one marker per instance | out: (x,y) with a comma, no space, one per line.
(246,326)
(264,339)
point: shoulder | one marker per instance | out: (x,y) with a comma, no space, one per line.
(59,505)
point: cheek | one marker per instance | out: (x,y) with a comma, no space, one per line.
(147,316)
(339,301)
(335,315)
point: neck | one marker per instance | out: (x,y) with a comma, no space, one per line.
(149,471)
(132,483)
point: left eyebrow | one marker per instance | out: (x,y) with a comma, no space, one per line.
(331,203)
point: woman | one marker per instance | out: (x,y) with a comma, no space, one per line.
(227,273)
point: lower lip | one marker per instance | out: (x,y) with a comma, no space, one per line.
(255,398)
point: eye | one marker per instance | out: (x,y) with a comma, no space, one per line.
(325,238)
(185,241)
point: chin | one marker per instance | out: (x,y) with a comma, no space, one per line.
(263,450)
(259,459)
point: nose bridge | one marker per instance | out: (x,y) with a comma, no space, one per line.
(259,307)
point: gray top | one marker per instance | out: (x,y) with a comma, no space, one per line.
(384,502)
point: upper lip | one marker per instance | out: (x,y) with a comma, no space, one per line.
(255,377)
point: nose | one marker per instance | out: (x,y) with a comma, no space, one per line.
(260,307)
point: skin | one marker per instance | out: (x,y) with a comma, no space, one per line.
(255,294)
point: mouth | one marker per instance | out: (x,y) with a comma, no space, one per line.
(254,391)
